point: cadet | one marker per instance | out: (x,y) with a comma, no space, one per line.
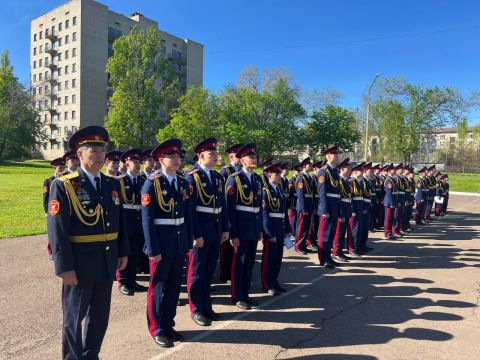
(328,206)
(312,239)
(430,180)
(130,188)
(358,210)
(112,160)
(263,166)
(167,226)
(58,170)
(89,244)
(376,195)
(368,197)
(244,198)
(399,211)
(284,179)
(226,248)
(447,190)
(409,197)
(292,198)
(305,191)
(421,193)
(210,227)
(275,228)
(390,202)
(148,163)
(344,222)
(71,161)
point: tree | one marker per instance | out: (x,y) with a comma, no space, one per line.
(195,118)
(20,126)
(143,83)
(330,125)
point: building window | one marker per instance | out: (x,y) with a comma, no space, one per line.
(60,25)
(41,49)
(67,24)
(74,68)
(35,64)
(65,115)
(46,75)
(74,99)
(53,28)
(59,71)
(74,36)
(74,115)
(34,51)
(40,90)
(176,54)
(34,37)
(74,52)
(66,54)
(66,101)
(74,21)
(66,69)
(67,39)
(40,77)
(74,83)
(66,84)
(59,41)
(34,91)
(59,56)
(40,35)
(59,88)
(113,34)
(34,77)
(59,100)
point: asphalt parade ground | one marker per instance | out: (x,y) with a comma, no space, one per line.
(411,298)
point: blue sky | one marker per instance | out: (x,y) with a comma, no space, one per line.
(337,43)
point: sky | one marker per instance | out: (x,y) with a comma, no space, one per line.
(339,44)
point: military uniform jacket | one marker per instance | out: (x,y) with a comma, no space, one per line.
(345,198)
(421,192)
(166,216)
(305,193)
(430,181)
(46,191)
(86,229)
(284,186)
(274,213)
(292,193)
(316,195)
(209,206)
(357,196)
(391,193)
(244,200)
(374,189)
(132,207)
(381,181)
(226,171)
(368,192)
(328,190)
(410,191)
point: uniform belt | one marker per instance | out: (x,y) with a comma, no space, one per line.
(132,207)
(176,222)
(317,196)
(93,238)
(401,192)
(247,208)
(277,215)
(425,190)
(346,200)
(367,200)
(333,195)
(209,210)
(408,190)
(395,193)
(357,198)
(308,195)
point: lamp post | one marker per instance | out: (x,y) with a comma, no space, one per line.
(368,115)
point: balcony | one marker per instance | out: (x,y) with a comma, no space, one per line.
(51,66)
(53,82)
(50,35)
(53,139)
(177,58)
(52,111)
(52,124)
(51,50)
(51,95)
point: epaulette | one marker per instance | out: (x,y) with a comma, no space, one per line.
(234,174)
(69,176)
(192,170)
(155,175)
(119,176)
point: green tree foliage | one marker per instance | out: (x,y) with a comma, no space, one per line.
(20,126)
(143,84)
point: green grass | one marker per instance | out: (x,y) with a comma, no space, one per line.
(21,189)
(21,195)
(464,182)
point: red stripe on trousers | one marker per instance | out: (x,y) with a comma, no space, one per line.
(189,279)
(299,231)
(266,245)
(320,237)
(151,321)
(49,248)
(387,224)
(290,217)
(335,239)
(117,276)
(349,235)
(232,271)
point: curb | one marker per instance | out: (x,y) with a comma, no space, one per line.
(464,193)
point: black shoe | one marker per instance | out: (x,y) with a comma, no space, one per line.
(199,319)
(125,290)
(212,315)
(163,341)
(174,335)
(281,289)
(339,259)
(243,305)
(273,292)
(329,266)
(179,302)
(312,248)
(355,254)
(138,288)
(344,257)
(251,302)
(301,252)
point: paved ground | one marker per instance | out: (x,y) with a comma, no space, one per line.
(411,298)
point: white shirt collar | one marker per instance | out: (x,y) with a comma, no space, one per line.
(169,178)
(131,176)
(248,173)
(206,169)
(91,177)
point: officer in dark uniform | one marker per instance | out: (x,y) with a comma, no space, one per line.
(244,200)
(431,193)
(382,175)
(263,166)
(421,193)
(390,202)
(328,206)
(89,243)
(284,179)
(292,198)
(399,212)
(112,160)
(167,226)
(373,217)
(58,170)
(130,188)
(358,209)
(148,163)
(312,239)
(304,206)
(344,222)
(409,197)
(226,248)
(368,197)
(210,226)
(275,227)
(71,161)
(447,195)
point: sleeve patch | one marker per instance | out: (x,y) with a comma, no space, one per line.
(145,199)
(390,185)
(54,207)
(300,185)
(321,179)
(263,203)
(230,190)
(45,189)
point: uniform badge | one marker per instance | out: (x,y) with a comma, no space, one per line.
(45,189)
(321,179)
(231,190)
(300,185)
(145,199)
(164,192)
(115,198)
(190,188)
(390,185)
(127,187)
(259,192)
(263,203)
(183,193)
(220,188)
(54,207)
(204,184)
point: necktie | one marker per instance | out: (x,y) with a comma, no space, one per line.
(135,182)
(211,176)
(252,181)
(173,186)
(97,185)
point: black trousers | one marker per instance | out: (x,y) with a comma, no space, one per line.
(92,303)
(242,266)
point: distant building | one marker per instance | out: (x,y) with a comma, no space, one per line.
(70,46)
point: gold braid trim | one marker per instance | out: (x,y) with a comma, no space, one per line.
(123,191)
(201,194)
(365,190)
(307,187)
(334,183)
(274,203)
(240,192)
(356,192)
(81,213)
(165,206)
(345,194)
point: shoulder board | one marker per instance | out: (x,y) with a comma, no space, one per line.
(69,176)
(234,174)
(192,171)
(154,176)
(119,176)
(181,177)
